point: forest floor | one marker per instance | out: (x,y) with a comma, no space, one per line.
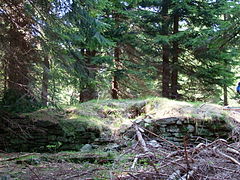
(141,157)
(214,161)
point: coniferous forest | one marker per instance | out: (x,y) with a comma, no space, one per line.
(134,89)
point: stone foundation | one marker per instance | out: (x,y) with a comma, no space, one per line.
(175,129)
(23,134)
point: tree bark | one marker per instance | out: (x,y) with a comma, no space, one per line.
(89,91)
(174,77)
(45,81)
(225,95)
(165,72)
(20,51)
(165,50)
(115,85)
(225,92)
(18,63)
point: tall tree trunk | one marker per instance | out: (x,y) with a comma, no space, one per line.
(116,61)
(225,95)
(115,85)
(45,81)
(165,72)
(19,55)
(225,92)
(18,63)
(89,91)
(174,77)
(166,50)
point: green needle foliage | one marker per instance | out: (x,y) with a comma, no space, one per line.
(70,51)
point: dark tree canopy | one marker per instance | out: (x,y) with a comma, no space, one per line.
(69,51)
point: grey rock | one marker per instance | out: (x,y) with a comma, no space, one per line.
(171,120)
(173,129)
(154,143)
(147,120)
(86,148)
(179,122)
(190,128)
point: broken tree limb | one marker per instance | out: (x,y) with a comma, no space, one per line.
(140,156)
(198,148)
(134,162)
(142,143)
(140,139)
(231,108)
(18,157)
(233,151)
(218,141)
(216,151)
